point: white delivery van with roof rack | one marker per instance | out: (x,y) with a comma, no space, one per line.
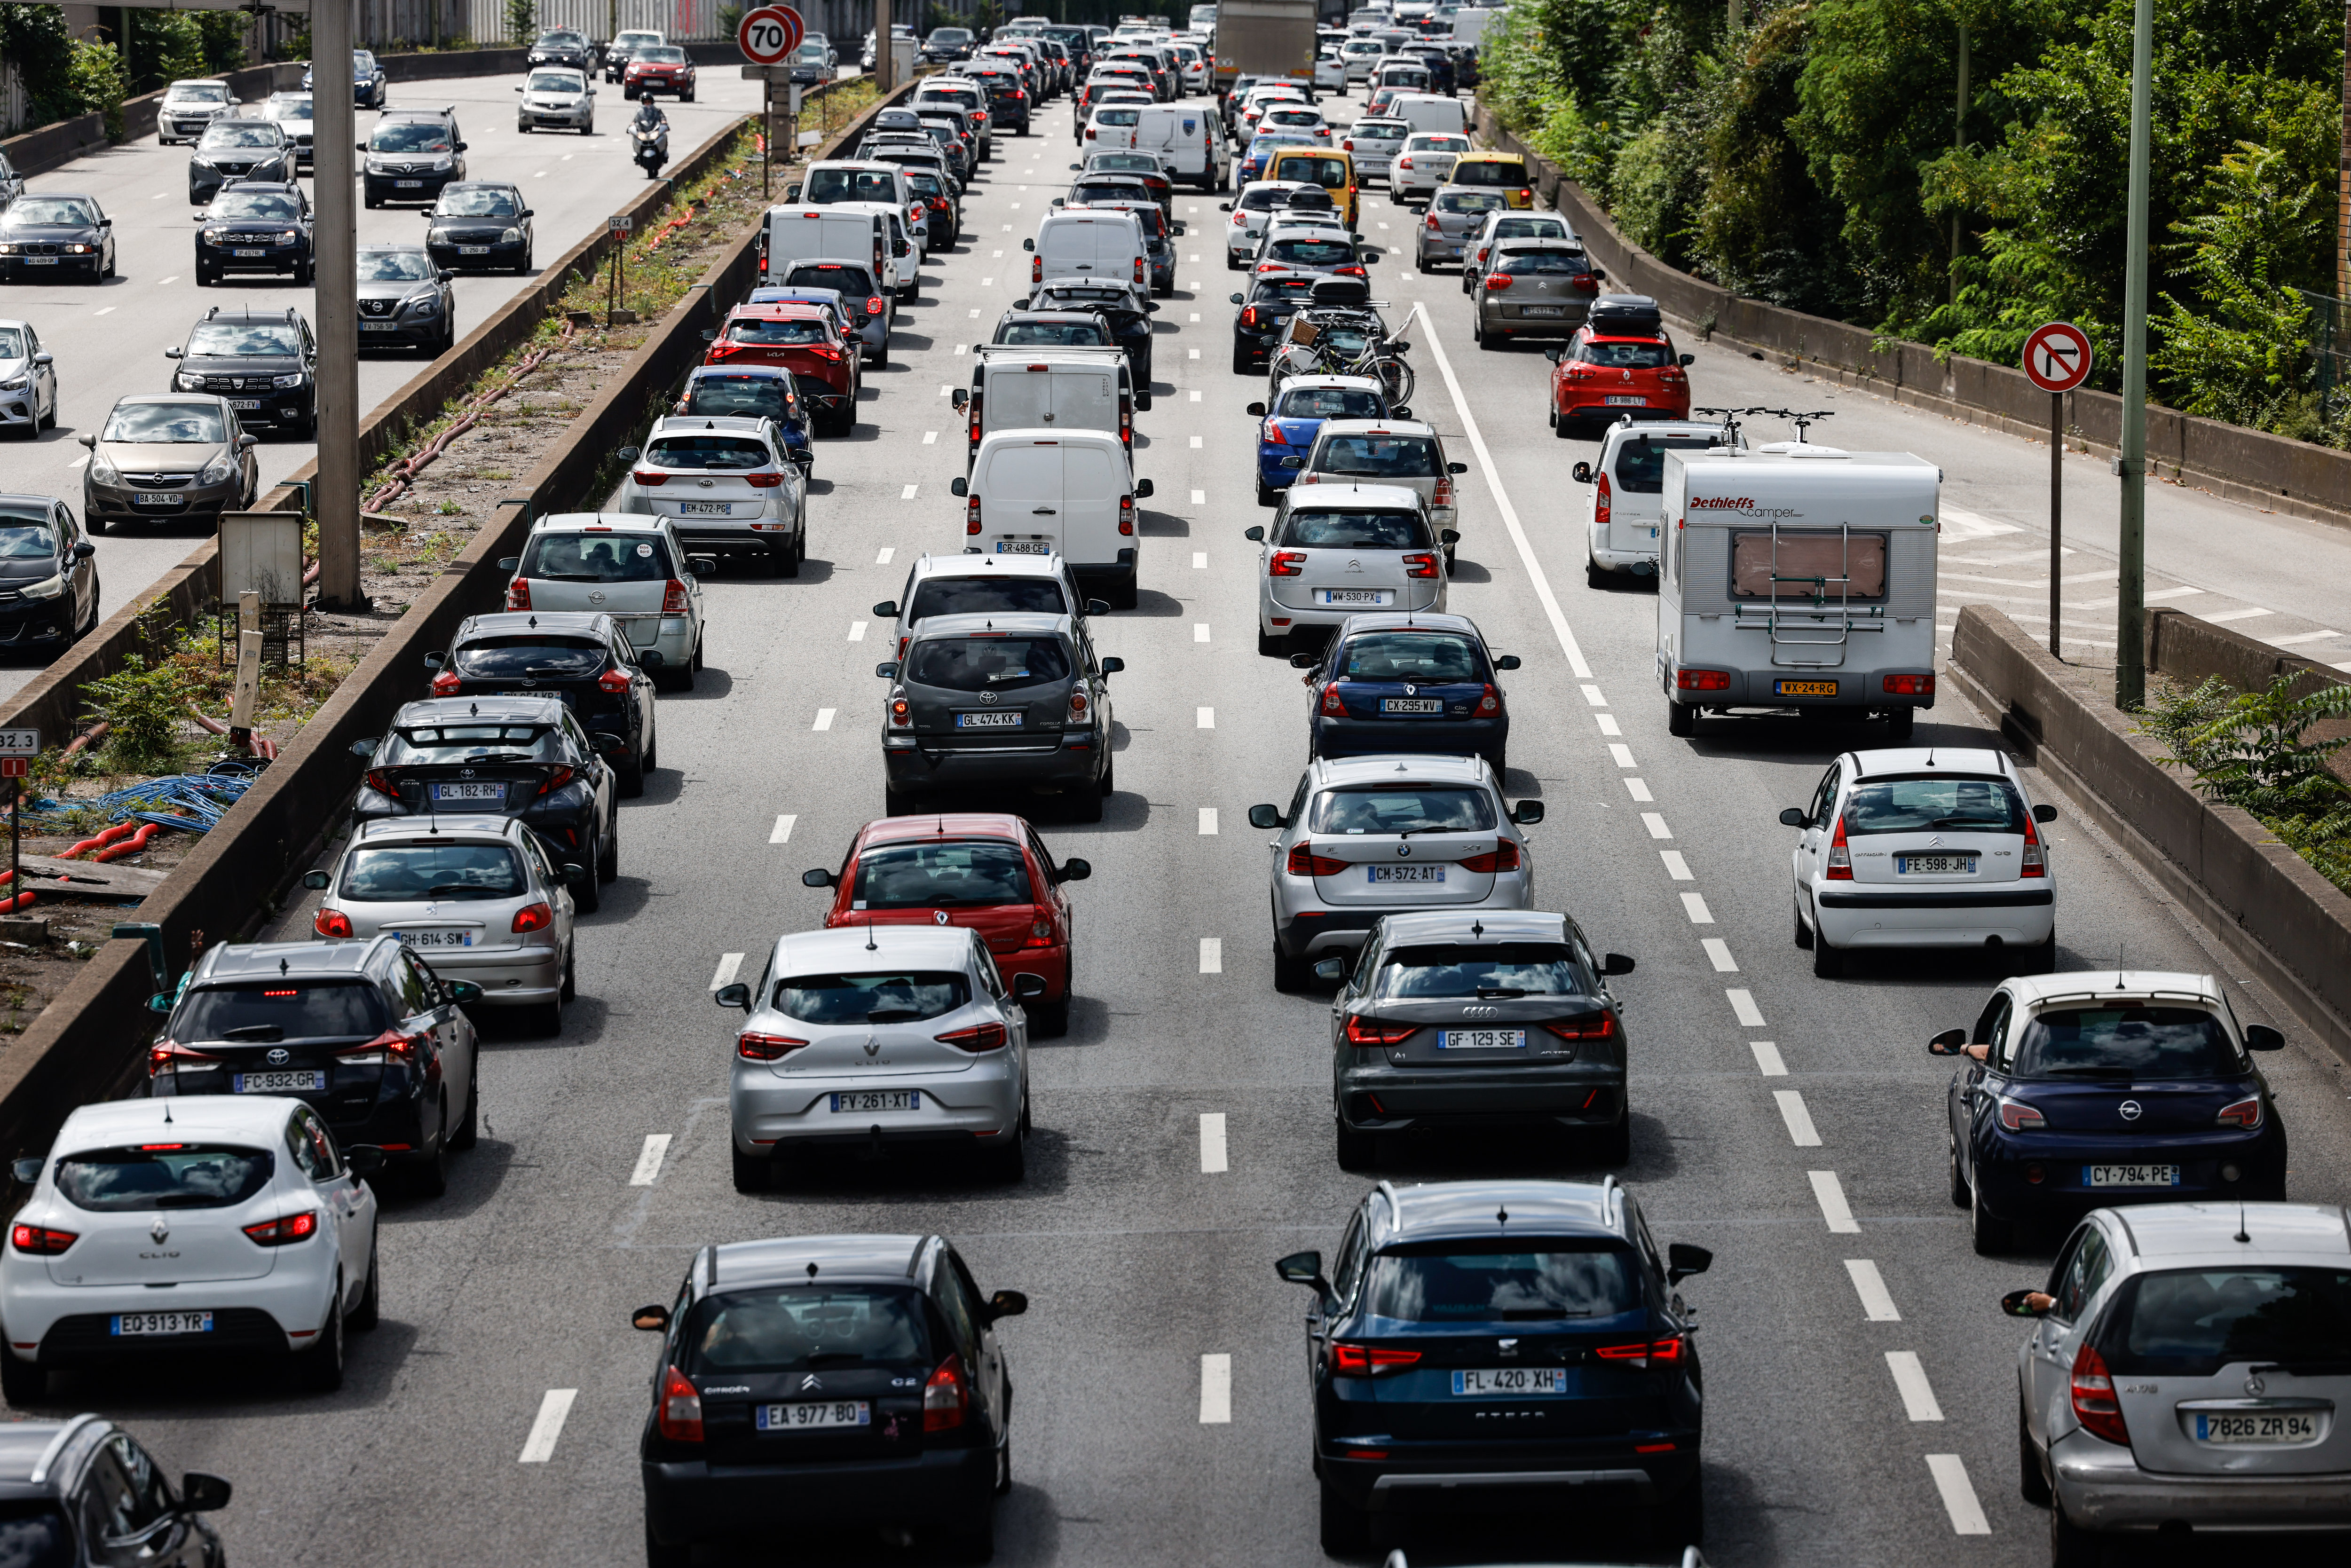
(1798,576)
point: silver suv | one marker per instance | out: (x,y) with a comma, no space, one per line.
(2188,1373)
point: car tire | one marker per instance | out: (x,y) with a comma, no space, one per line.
(1803,936)
(1346,1529)
(753,1173)
(1241,366)
(1681,719)
(1274,647)
(1266,494)
(1291,974)
(1562,428)
(608,859)
(1991,1237)
(205,277)
(1010,1164)
(2070,1545)
(90,523)
(23,1383)
(2031,1480)
(660,1554)
(588,897)
(2038,958)
(1485,341)
(370,198)
(1420,261)
(1230,264)
(1085,803)
(319,1369)
(1613,1146)
(1355,1151)
(1595,576)
(1680,1520)
(369,1311)
(631,779)
(429,1178)
(469,1126)
(1828,962)
(1898,725)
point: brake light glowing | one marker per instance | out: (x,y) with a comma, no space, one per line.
(1304,861)
(1504,856)
(1330,703)
(332,923)
(444,684)
(1138,272)
(1585,1026)
(2035,860)
(1840,867)
(1369,1360)
(2245,1114)
(39,1240)
(1605,502)
(2095,1404)
(977,1039)
(287,1229)
(674,599)
(678,1416)
(1379,1031)
(753,1046)
(649,476)
(169,1056)
(902,713)
(518,594)
(533,917)
(390,1046)
(1648,1354)
(946,1397)
(1126,515)
(2017,1117)
(1041,935)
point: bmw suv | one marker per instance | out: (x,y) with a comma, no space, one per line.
(410,155)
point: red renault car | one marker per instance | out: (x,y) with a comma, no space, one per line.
(982,869)
(804,340)
(1621,361)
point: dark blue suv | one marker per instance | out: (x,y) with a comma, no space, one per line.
(1486,1346)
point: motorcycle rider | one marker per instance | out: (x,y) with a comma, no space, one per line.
(651,127)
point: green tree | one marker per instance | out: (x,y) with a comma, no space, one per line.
(224,39)
(100,81)
(35,38)
(1766,227)
(2247,352)
(522,21)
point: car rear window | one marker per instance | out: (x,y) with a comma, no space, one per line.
(988,663)
(1352,529)
(1491,972)
(399,873)
(1263,198)
(1531,228)
(1311,252)
(1807,565)
(1641,462)
(739,396)
(1403,808)
(477,204)
(1454,1282)
(476,743)
(1558,263)
(847,280)
(2191,1322)
(1403,656)
(530,654)
(1490,172)
(1465,201)
(2134,1044)
(806,1328)
(1280,290)
(1934,805)
(134,1180)
(1056,334)
(1379,456)
(986,596)
(1116,115)
(716,454)
(1616,356)
(1331,403)
(887,997)
(280,1010)
(938,875)
(791,330)
(597,558)
(850,185)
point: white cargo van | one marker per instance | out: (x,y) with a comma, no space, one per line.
(1086,243)
(1045,491)
(1190,143)
(1798,576)
(1427,111)
(796,233)
(1021,387)
(903,254)
(1469,23)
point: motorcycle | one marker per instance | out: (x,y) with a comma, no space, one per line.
(652,150)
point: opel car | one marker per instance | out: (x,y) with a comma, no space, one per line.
(1452,215)
(169,456)
(187,107)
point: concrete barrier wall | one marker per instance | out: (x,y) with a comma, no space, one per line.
(2191,652)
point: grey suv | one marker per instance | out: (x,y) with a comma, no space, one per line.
(410,155)
(1534,288)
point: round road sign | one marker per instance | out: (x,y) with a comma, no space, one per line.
(768,34)
(2057,357)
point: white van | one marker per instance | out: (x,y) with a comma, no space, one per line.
(1046,491)
(1021,386)
(1086,243)
(1427,111)
(1629,492)
(902,253)
(796,233)
(1186,137)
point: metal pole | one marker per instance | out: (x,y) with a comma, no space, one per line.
(2056,510)
(767,132)
(885,58)
(337,497)
(1958,143)
(2130,661)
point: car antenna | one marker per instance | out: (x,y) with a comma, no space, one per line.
(2240,1235)
(869,945)
(1502,1216)
(167,1111)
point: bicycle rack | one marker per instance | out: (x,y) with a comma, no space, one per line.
(1766,618)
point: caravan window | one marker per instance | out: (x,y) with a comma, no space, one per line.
(1807,565)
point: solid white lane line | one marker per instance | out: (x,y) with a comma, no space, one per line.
(1212,1143)
(1676,867)
(1199,560)
(1767,1059)
(539,1446)
(1639,788)
(1592,696)
(649,1161)
(1719,952)
(1799,1119)
(729,964)
(1208,821)
(1911,1382)
(1607,722)
(1959,1496)
(1216,1390)
(1656,822)
(824,717)
(1622,753)
(884,557)
(165,282)
(1830,1195)
(1694,905)
(1743,1004)
(857,631)
(1199,630)
(781,833)
(1549,600)
(1877,1301)
(1205,719)
(1212,955)
(1199,498)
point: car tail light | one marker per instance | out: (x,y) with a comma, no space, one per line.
(169,1056)
(1840,867)
(1910,686)
(674,599)
(1138,272)
(971,515)
(2017,1117)
(2095,1404)
(650,476)
(518,594)
(977,1039)
(1584,1026)
(1702,680)
(1655,1352)
(1041,934)
(39,1240)
(1273,436)
(1504,856)
(1443,496)
(1347,144)
(946,1397)
(1525,198)
(1607,501)
(1036,270)
(1126,418)
(332,923)
(1497,281)
(389,1047)
(2245,1114)
(1126,515)
(1331,705)
(753,1046)
(1078,707)
(678,1416)
(1431,222)
(286,1228)
(1369,1360)
(1286,563)
(533,917)
(1490,702)
(1240,219)
(444,684)
(1421,564)
(1304,861)
(1378,1032)
(1585,284)
(1248,315)
(614,680)
(2035,860)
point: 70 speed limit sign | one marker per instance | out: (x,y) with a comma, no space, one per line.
(769,34)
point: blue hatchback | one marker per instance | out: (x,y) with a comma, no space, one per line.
(1407,680)
(1525,1338)
(753,391)
(1286,428)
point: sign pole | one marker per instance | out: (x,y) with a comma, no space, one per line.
(2056,360)
(2130,658)
(767,136)
(2056,510)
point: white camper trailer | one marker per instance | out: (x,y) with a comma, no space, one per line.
(1798,576)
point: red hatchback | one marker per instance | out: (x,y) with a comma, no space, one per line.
(662,68)
(804,340)
(984,870)
(1610,369)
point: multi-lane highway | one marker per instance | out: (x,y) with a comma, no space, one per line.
(1860,1375)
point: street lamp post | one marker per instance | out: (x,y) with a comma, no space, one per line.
(2130,657)
(336,496)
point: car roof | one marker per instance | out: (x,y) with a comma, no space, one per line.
(1361,497)
(1023,313)
(443,825)
(431,712)
(207,398)
(29,1449)
(1376,427)
(1427,766)
(1034,623)
(787,1259)
(1344,383)
(862,946)
(1408,620)
(508,622)
(781,311)
(944,825)
(1970,759)
(1473,926)
(2172,1235)
(263,960)
(724,424)
(507,186)
(602,522)
(961,565)
(1438,1211)
(2115,986)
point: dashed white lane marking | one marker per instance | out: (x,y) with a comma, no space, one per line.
(857,631)
(1622,753)
(781,833)
(1639,788)
(649,1159)
(975,314)
(164,282)
(1675,866)
(908,492)
(996,253)
(1718,952)
(1199,560)
(1195,443)
(1199,630)
(2239,614)
(1195,353)
(1196,397)
(824,718)
(1799,1119)
(1212,1146)
(78,461)
(1959,1496)
(930,438)
(1767,1059)
(1607,722)
(883,559)
(1195,316)
(1203,718)
(1694,905)
(1216,1390)
(958,349)
(1592,695)
(539,1446)
(1877,1301)
(1656,822)
(1212,955)
(1007,229)
(1830,1196)
(1744,1003)
(729,964)
(2300,637)
(105,310)
(1199,498)
(1911,1382)
(1208,822)
(159,195)
(1193,258)
(2167,592)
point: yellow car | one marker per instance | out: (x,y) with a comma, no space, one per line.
(1325,166)
(1503,171)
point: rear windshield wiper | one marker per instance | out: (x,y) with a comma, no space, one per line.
(256,1031)
(894,1015)
(835,1358)
(2085,1072)
(2303,1368)
(463,890)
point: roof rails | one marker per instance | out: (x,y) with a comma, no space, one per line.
(74,1427)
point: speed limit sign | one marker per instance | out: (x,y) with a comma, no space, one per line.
(769,34)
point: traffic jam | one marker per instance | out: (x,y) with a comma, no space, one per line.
(1519,1340)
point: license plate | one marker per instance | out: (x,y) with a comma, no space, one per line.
(1387,873)
(1375,596)
(989,720)
(40,261)
(435,939)
(473,250)
(1801,688)
(1634,400)
(243,403)
(706,508)
(1481,1039)
(407,184)
(133,1323)
(379,326)
(1411,704)
(1554,311)
(1023,547)
(1934,865)
(811,1418)
(2257,1426)
(2130,1175)
(157,498)
(1503,1382)
(879,1100)
(248,253)
(469,791)
(275,1082)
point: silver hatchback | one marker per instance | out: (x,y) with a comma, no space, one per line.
(629,566)
(1454,214)
(1333,552)
(1533,289)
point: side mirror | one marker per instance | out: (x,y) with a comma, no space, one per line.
(1028,245)
(1304,661)
(2044,814)
(1112,665)
(1690,358)
(1143,489)
(1264,817)
(1293,462)
(1401,411)
(1795,817)
(1303,1268)
(161,1002)
(316,879)
(1333,970)
(1599,272)
(2261,1036)
(887,669)
(358,146)
(27,1171)
(701,565)
(1581,473)
(1950,1043)
(1237,299)
(509,563)
(464,993)
(1682,1261)
(574,875)
(628,454)
(433,661)
(1028,987)
(1075,870)
(1401,347)
(363,750)
(1256,408)
(819,877)
(1456,467)
(1006,1303)
(247,442)
(737,995)
(958,487)
(1097,607)
(1527,813)
(888,609)
(1616,963)
(1552,354)
(1224,207)
(364,1160)
(961,400)
(1254,534)
(89,441)
(443,274)
(517,87)
(1054,202)
(2025,1304)
(606,742)
(1453,536)
(1506,660)
(652,1319)
(172,353)
(461,147)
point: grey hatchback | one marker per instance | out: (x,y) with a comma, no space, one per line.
(1534,288)
(1454,214)
(998,699)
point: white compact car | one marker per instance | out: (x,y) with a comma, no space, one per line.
(556,98)
(1425,164)
(864,1037)
(725,483)
(1334,551)
(1934,847)
(1253,209)
(1629,493)
(628,566)
(218,1225)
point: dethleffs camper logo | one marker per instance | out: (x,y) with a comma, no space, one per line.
(1743,505)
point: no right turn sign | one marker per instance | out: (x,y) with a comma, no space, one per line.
(2057,357)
